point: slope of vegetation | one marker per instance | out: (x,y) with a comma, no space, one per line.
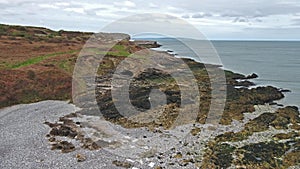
(37,63)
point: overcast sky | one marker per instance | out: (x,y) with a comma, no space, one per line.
(216,19)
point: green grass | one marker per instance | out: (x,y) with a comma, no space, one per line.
(38,59)
(117,50)
(121,50)
(3,29)
(63,65)
(66,65)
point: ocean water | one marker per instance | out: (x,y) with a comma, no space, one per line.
(276,63)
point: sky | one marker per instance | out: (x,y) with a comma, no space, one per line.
(216,19)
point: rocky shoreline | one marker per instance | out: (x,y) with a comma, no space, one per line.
(249,134)
(253,131)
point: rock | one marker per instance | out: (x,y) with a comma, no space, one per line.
(65,129)
(295,126)
(260,123)
(52,139)
(178,155)
(151,164)
(122,164)
(188,160)
(64,146)
(252,76)
(90,144)
(147,43)
(149,154)
(282,136)
(244,83)
(285,90)
(195,131)
(280,123)
(220,156)
(80,157)
(258,153)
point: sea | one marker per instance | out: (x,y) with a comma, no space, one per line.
(277,63)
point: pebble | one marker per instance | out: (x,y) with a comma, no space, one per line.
(80,157)
(151,164)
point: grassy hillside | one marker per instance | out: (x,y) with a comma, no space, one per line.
(37,63)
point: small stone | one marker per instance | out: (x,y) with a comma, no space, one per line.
(90,144)
(80,157)
(188,160)
(195,131)
(122,164)
(52,139)
(178,155)
(151,164)
(64,146)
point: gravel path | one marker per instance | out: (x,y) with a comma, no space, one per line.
(23,143)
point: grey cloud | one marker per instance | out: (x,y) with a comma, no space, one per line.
(15,3)
(234,14)
(296,22)
(185,16)
(247,11)
(258,20)
(237,8)
(72,6)
(231,14)
(9,14)
(201,15)
(241,20)
(92,12)
(31,13)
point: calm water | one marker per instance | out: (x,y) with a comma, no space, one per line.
(276,63)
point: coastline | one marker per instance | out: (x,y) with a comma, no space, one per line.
(271,65)
(152,141)
(80,137)
(260,81)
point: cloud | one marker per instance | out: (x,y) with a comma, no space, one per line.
(152,5)
(96,11)
(241,20)
(76,10)
(258,20)
(296,22)
(201,15)
(186,16)
(226,17)
(128,4)
(62,4)
(48,6)
(174,9)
